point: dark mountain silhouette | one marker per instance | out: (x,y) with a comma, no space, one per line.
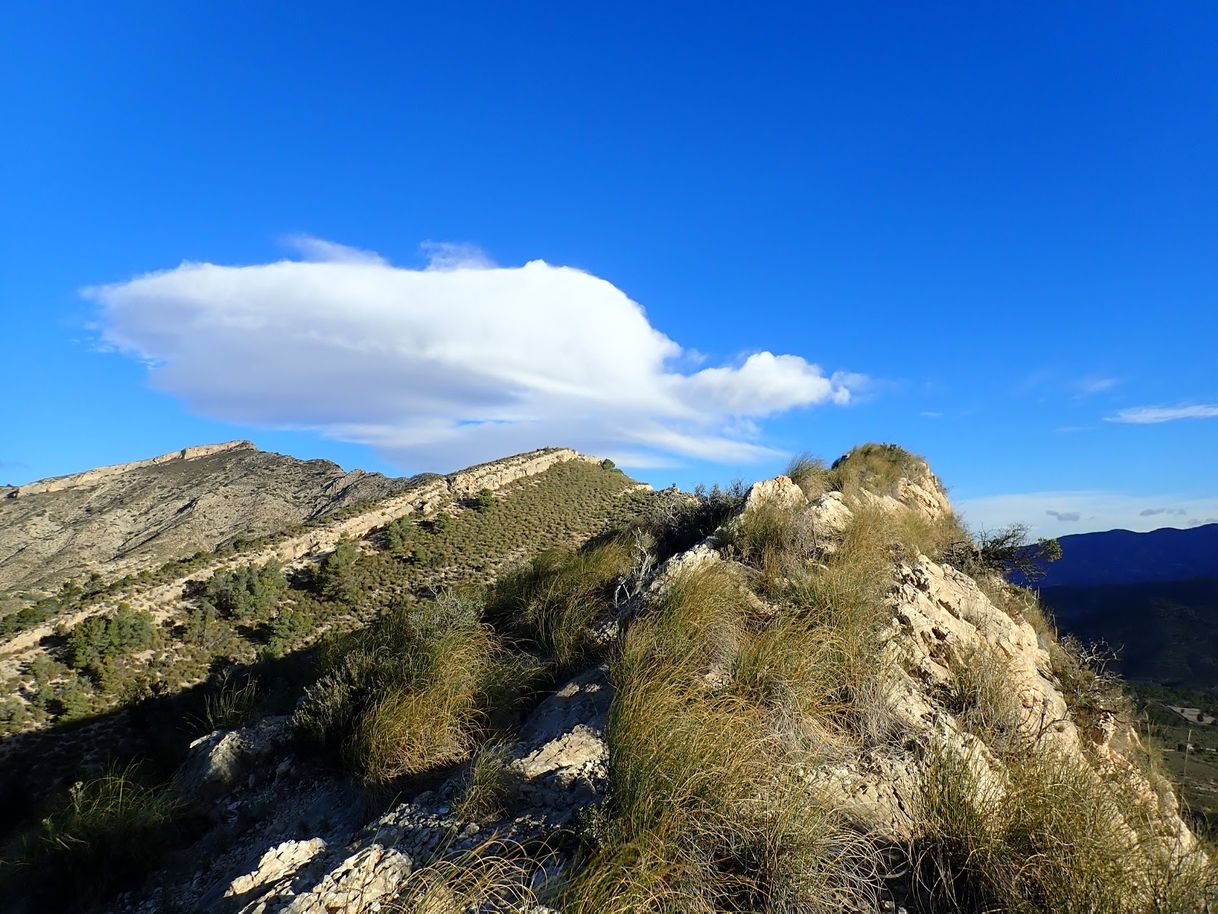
(1125,557)
(1152,597)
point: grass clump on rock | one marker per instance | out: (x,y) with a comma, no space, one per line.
(1047,834)
(707,812)
(552,602)
(414,691)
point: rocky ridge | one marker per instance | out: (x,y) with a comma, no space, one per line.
(421,498)
(291,858)
(122,519)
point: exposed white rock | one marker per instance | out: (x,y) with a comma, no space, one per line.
(360,883)
(779,492)
(220,760)
(275,869)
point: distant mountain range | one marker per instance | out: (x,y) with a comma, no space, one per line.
(1152,597)
(1125,557)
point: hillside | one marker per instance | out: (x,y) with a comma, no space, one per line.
(779,700)
(122,519)
(1162,631)
(1152,598)
(1116,557)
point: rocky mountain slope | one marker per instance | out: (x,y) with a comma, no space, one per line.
(785,702)
(121,519)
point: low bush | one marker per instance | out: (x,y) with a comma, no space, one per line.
(553,601)
(398,533)
(680,522)
(289,627)
(414,690)
(247,592)
(1005,553)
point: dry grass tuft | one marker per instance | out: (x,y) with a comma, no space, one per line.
(875,467)
(487,782)
(414,691)
(1053,836)
(553,601)
(809,473)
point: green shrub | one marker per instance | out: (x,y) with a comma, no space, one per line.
(398,533)
(1005,553)
(101,638)
(337,578)
(30,615)
(287,629)
(678,522)
(247,592)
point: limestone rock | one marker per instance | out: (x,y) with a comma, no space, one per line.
(275,868)
(779,491)
(358,884)
(219,761)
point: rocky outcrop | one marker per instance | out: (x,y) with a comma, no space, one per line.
(939,623)
(122,519)
(219,761)
(96,475)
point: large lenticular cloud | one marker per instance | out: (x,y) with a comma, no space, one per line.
(459,362)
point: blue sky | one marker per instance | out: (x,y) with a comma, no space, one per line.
(988,235)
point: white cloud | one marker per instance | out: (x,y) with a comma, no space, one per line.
(1088,387)
(1147,415)
(447,365)
(322,251)
(1059,513)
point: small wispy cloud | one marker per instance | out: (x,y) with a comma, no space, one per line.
(1089,387)
(1150,415)
(319,250)
(1055,513)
